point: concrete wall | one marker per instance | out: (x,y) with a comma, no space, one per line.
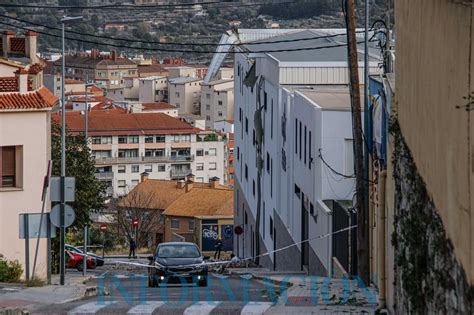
(27,199)
(435,53)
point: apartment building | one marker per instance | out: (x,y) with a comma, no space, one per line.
(153,89)
(217,101)
(284,192)
(25,145)
(125,145)
(185,94)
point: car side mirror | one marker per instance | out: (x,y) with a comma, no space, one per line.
(150,258)
(207,257)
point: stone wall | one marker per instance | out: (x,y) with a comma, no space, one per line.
(428,276)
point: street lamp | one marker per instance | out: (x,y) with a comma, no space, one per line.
(87,85)
(62,262)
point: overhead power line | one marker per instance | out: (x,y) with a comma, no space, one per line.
(189,5)
(172,50)
(174,43)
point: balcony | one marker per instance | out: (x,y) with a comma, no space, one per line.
(138,159)
(177,174)
(104,176)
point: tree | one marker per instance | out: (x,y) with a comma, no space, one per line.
(90,192)
(138,205)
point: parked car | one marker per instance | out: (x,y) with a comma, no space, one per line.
(75,260)
(98,259)
(177,262)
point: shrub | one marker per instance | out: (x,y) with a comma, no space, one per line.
(10,271)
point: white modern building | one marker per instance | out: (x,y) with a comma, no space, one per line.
(125,145)
(153,89)
(217,101)
(292,111)
(185,94)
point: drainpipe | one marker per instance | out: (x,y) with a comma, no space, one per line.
(381,221)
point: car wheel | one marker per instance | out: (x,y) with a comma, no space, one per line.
(80,266)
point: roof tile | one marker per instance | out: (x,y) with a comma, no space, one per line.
(39,99)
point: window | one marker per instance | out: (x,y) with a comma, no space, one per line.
(148,168)
(161,167)
(96,140)
(300,141)
(219,114)
(245,218)
(212,152)
(175,138)
(107,140)
(240,114)
(186,138)
(305,145)
(122,168)
(176,94)
(271,177)
(149,139)
(268,163)
(219,103)
(246,172)
(296,136)
(238,153)
(178,105)
(271,122)
(160,139)
(122,184)
(271,227)
(297,190)
(208,96)
(253,188)
(122,140)
(99,154)
(212,166)
(199,166)
(208,107)
(191,225)
(208,117)
(10,164)
(200,152)
(174,224)
(135,168)
(310,158)
(246,125)
(264,220)
(128,153)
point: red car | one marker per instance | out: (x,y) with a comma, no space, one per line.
(74,260)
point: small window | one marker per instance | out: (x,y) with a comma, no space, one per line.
(212,166)
(160,139)
(219,114)
(199,166)
(161,167)
(122,140)
(199,152)
(246,125)
(96,140)
(219,103)
(175,224)
(253,187)
(268,163)
(148,168)
(135,168)
(122,168)
(149,139)
(271,227)
(10,166)
(191,225)
(208,117)
(297,191)
(212,152)
(246,172)
(245,218)
(122,184)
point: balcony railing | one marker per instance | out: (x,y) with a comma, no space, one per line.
(175,174)
(125,160)
(104,175)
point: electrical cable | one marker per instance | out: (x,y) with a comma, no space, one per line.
(173,50)
(173,43)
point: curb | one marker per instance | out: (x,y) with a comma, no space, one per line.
(267,279)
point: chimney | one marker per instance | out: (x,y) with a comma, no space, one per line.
(214,182)
(180,184)
(30,46)
(190,177)
(189,185)
(22,79)
(143,177)
(114,55)
(6,36)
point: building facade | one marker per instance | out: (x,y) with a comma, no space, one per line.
(217,101)
(185,94)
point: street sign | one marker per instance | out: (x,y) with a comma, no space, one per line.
(69,215)
(103,227)
(55,189)
(135,222)
(33,226)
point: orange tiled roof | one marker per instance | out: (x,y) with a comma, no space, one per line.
(8,84)
(115,123)
(203,202)
(35,68)
(157,106)
(39,99)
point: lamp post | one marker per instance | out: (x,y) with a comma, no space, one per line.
(87,85)
(62,238)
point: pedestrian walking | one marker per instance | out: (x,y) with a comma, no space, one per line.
(133,246)
(218,247)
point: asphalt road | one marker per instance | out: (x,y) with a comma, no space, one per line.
(129,293)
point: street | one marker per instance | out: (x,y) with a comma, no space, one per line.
(128,292)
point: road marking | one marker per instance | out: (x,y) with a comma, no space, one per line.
(90,308)
(201,308)
(256,308)
(147,308)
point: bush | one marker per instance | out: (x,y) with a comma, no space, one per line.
(10,271)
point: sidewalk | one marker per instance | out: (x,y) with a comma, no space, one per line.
(313,294)
(24,298)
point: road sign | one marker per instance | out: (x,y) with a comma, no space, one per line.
(33,226)
(135,222)
(103,227)
(55,189)
(69,215)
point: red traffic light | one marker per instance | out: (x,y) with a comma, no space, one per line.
(103,227)
(135,222)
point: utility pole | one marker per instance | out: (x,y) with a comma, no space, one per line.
(362,213)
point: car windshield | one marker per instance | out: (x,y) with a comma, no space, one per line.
(178,251)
